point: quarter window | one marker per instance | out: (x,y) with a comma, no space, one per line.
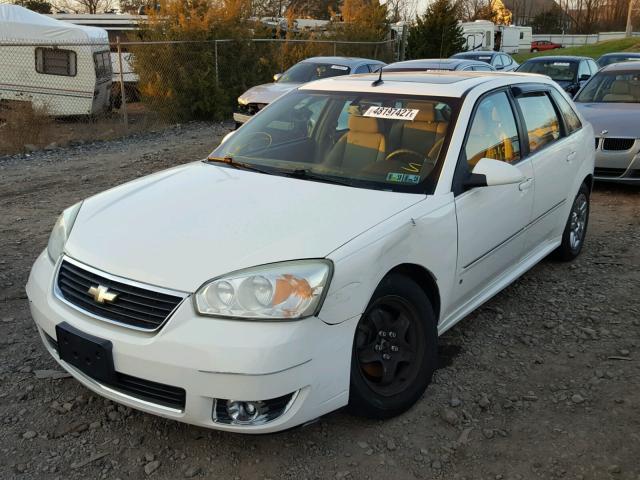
(493,132)
(540,120)
(571,120)
(56,61)
(362,69)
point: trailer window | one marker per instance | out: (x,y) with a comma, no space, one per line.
(103,64)
(56,61)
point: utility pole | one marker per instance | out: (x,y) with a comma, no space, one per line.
(629,29)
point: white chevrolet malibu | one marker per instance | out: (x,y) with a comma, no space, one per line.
(313,259)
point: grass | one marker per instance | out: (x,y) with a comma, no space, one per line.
(594,50)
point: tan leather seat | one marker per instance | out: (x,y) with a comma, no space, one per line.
(420,135)
(361,146)
(619,92)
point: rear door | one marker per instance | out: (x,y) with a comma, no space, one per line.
(552,152)
(491,220)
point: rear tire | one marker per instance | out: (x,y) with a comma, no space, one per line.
(575,229)
(394,350)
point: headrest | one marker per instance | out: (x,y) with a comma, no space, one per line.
(620,87)
(363,124)
(426,112)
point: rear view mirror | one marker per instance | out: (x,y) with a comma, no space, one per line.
(489,172)
(584,77)
(277,77)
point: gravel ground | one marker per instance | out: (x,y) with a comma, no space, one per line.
(541,382)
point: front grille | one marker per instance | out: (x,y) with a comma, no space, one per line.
(634,173)
(153,392)
(609,172)
(618,144)
(251,108)
(269,409)
(133,306)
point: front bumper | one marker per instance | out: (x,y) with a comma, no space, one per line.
(617,165)
(212,358)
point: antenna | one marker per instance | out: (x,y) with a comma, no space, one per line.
(441,47)
(379,80)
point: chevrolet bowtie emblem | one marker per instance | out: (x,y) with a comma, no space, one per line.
(102,294)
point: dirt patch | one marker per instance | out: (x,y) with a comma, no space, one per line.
(541,382)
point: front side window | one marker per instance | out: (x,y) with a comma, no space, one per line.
(56,61)
(308,71)
(541,121)
(583,70)
(498,61)
(369,140)
(493,133)
(612,87)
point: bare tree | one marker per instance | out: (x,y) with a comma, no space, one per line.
(85,6)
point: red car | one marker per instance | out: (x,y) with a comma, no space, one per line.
(540,45)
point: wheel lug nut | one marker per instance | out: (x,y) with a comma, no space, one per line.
(386,356)
(377,348)
(382,333)
(392,334)
(394,348)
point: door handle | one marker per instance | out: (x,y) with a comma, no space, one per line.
(571,156)
(526,185)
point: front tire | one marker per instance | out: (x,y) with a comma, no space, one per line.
(575,229)
(394,350)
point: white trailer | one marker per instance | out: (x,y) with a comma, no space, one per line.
(525,39)
(485,35)
(60,68)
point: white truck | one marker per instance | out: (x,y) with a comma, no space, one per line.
(59,68)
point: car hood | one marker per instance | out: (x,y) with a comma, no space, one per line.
(619,119)
(266,93)
(181,227)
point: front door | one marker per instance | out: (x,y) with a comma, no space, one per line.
(492,220)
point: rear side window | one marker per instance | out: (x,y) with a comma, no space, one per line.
(362,69)
(571,120)
(56,61)
(541,121)
(493,132)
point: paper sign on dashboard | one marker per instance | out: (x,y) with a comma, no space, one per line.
(392,113)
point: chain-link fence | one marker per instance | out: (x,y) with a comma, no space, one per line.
(58,93)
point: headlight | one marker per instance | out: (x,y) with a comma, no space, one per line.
(279,291)
(61,231)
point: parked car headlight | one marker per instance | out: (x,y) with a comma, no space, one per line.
(61,231)
(278,291)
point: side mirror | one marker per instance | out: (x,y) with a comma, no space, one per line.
(489,172)
(227,136)
(584,77)
(277,77)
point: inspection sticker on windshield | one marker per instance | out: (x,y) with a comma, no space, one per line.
(392,113)
(402,177)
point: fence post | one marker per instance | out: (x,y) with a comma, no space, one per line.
(215,54)
(123,95)
(335,48)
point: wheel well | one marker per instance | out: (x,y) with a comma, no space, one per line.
(589,181)
(425,280)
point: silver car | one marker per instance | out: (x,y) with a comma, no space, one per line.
(314,68)
(611,102)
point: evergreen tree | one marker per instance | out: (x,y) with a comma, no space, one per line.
(40,6)
(437,34)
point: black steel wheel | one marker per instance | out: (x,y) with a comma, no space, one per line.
(394,350)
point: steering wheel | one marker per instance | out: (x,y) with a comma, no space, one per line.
(405,151)
(257,142)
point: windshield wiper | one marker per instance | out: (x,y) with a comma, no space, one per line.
(307,174)
(239,165)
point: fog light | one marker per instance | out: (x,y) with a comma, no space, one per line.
(243,412)
(251,412)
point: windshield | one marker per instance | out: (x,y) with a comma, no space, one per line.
(370,140)
(304,72)
(557,70)
(483,57)
(612,87)
(609,59)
